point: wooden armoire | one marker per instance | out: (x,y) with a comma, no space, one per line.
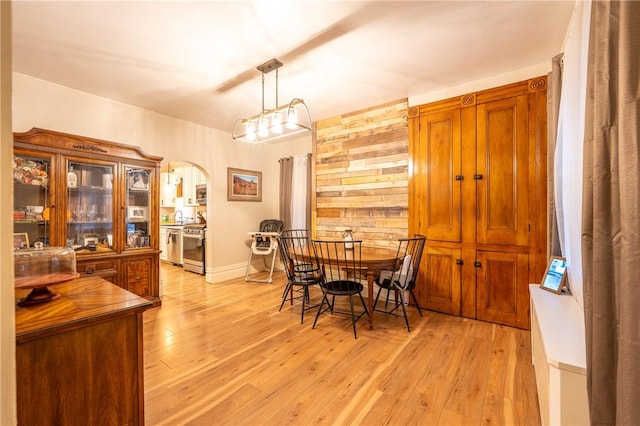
(477,191)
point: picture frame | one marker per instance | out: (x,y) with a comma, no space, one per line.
(244,185)
(137,213)
(35,213)
(138,180)
(90,241)
(555,277)
(20,240)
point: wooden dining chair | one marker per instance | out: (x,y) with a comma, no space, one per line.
(403,278)
(301,266)
(341,269)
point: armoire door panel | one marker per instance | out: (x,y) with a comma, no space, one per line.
(502,288)
(439,280)
(502,172)
(440,164)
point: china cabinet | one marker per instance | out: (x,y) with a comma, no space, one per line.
(99,197)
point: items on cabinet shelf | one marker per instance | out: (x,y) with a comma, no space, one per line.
(72,178)
(31,176)
(30,171)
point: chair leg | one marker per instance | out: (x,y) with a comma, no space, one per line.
(386,302)
(353,317)
(289,289)
(273,264)
(416,302)
(320,310)
(404,310)
(305,294)
(375,302)
(269,279)
(248,271)
(328,304)
(284,295)
(364,305)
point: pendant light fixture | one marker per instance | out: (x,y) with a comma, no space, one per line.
(284,120)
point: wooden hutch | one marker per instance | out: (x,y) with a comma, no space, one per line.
(100,197)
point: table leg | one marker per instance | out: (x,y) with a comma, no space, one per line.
(370,299)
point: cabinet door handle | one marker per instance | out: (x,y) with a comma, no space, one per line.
(477,264)
(90,270)
(477,177)
(459,177)
(459,262)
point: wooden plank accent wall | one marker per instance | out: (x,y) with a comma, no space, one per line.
(362,161)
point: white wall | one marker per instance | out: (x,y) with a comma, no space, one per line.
(483,84)
(37,103)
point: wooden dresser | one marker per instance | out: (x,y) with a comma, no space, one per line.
(79,359)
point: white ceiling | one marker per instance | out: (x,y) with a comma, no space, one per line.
(196,60)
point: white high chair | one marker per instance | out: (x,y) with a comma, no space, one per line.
(265,243)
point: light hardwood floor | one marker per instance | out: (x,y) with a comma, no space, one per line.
(222,354)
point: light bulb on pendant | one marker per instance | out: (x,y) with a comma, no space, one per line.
(292,119)
(276,123)
(263,127)
(250,130)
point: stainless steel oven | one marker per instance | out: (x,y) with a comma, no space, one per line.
(193,237)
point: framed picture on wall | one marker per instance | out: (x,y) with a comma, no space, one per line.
(555,277)
(244,185)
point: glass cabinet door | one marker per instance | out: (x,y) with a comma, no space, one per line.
(32,200)
(138,207)
(89,206)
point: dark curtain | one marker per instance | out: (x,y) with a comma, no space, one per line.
(290,169)
(286,173)
(611,219)
(309,198)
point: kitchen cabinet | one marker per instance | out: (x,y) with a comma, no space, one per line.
(478,193)
(163,244)
(100,197)
(168,190)
(189,187)
(190,176)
